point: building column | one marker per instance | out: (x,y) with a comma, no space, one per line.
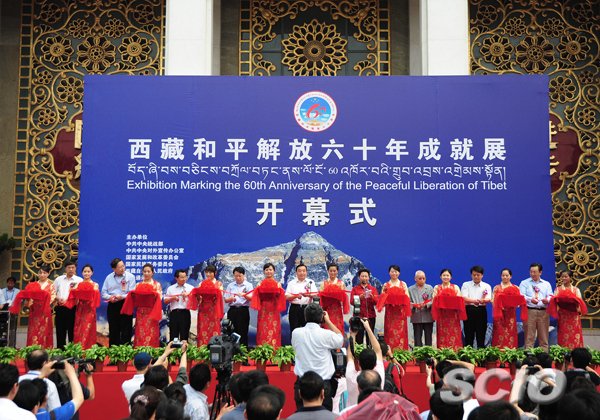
(193,37)
(439,37)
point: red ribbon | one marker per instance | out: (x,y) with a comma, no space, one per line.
(395,296)
(32,291)
(334,294)
(143,296)
(268,290)
(208,290)
(510,297)
(85,291)
(447,298)
(566,300)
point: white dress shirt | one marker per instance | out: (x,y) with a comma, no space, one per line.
(131,385)
(312,345)
(352,376)
(295,286)
(62,284)
(175,290)
(11,411)
(527,290)
(53,399)
(8,297)
(481,291)
(196,406)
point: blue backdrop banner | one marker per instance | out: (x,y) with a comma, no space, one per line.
(423,172)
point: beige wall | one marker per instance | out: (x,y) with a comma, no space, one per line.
(10,22)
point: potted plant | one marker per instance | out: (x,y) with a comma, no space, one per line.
(535,351)
(422,353)
(284,356)
(595,357)
(261,354)
(203,354)
(192,349)
(511,356)
(97,353)
(73,350)
(54,352)
(174,358)
(240,358)
(8,355)
(558,355)
(121,355)
(490,355)
(402,356)
(468,354)
(25,351)
(445,353)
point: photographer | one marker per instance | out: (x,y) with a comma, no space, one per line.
(63,386)
(369,359)
(67,410)
(519,396)
(580,360)
(313,346)
(368,300)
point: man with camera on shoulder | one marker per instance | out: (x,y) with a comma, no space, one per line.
(313,346)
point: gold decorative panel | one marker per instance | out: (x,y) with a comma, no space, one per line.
(561,39)
(61,41)
(314,38)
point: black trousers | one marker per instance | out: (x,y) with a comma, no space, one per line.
(119,325)
(427,327)
(179,324)
(296,317)
(360,335)
(240,316)
(65,324)
(475,325)
(330,387)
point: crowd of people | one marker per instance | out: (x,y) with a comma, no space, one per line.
(75,301)
(50,391)
(316,329)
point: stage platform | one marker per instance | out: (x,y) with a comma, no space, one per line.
(110,402)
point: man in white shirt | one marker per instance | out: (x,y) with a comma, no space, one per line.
(65,317)
(313,346)
(368,360)
(7,295)
(299,292)
(537,293)
(35,361)
(477,295)
(238,300)
(114,290)
(197,406)
(9,385)
(141,362)
(177,296)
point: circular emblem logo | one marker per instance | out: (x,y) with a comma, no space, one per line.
(315,111)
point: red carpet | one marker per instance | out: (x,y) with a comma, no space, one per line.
(110,403)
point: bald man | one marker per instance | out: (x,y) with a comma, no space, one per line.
(421,318)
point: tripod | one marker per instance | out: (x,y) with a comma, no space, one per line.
(221,390)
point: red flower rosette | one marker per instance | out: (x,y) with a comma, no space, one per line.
(209,291)
(510,297)
(447,298)
(268,290)
(395,296)
(86,292)
(145,296)
(334,294)
(567,301)
(32,291)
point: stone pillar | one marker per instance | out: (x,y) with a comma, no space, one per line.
(439,37)
(193,37)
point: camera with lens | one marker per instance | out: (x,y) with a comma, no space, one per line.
(317,300)
(223,347)
(567,357)
(339,362)
(429,361)
(176,344)
(356,324)
(77,363)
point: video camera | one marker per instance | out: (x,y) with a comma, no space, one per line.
(339,362)
(356,324)
(77,363)
(223,347)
